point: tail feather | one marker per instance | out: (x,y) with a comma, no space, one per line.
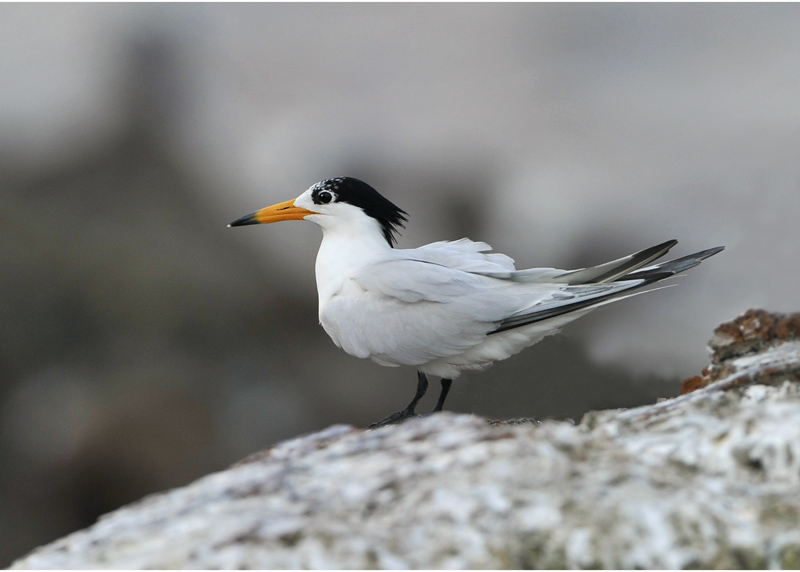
(628,269)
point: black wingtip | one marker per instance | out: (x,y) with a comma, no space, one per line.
(245,220)
(672,267)
(657,251)
(703,254)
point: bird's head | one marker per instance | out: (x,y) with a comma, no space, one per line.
(343,202)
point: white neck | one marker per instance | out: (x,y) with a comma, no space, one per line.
(348,244)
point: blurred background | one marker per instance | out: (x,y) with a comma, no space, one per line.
(143,343)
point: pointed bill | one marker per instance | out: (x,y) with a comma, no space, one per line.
(275,213)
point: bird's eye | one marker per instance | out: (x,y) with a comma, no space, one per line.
(324,197)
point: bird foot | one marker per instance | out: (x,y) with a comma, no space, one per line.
(395,418)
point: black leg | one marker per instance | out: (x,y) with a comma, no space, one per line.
(400,416)
(446,383)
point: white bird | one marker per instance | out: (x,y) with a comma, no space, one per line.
(446,307)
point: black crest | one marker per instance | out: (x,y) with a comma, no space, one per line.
(360,194)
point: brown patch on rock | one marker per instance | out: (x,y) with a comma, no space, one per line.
(692,383)
(788,327)
(747,334)
(752,332)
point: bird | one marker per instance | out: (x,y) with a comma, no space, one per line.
(449,306)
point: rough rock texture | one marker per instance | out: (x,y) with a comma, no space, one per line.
(708,479)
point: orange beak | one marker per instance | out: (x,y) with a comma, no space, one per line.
(275,213)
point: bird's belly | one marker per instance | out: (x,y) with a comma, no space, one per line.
(392,332)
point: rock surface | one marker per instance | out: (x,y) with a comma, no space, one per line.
(710,479)
(752,333)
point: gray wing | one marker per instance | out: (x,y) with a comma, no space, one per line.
(416,311)
(466,255)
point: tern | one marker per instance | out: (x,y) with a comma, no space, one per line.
(446,307)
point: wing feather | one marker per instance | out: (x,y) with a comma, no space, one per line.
(412,311)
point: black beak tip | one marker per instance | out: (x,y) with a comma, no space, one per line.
(245,220)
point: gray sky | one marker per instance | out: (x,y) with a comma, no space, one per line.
(568,133)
